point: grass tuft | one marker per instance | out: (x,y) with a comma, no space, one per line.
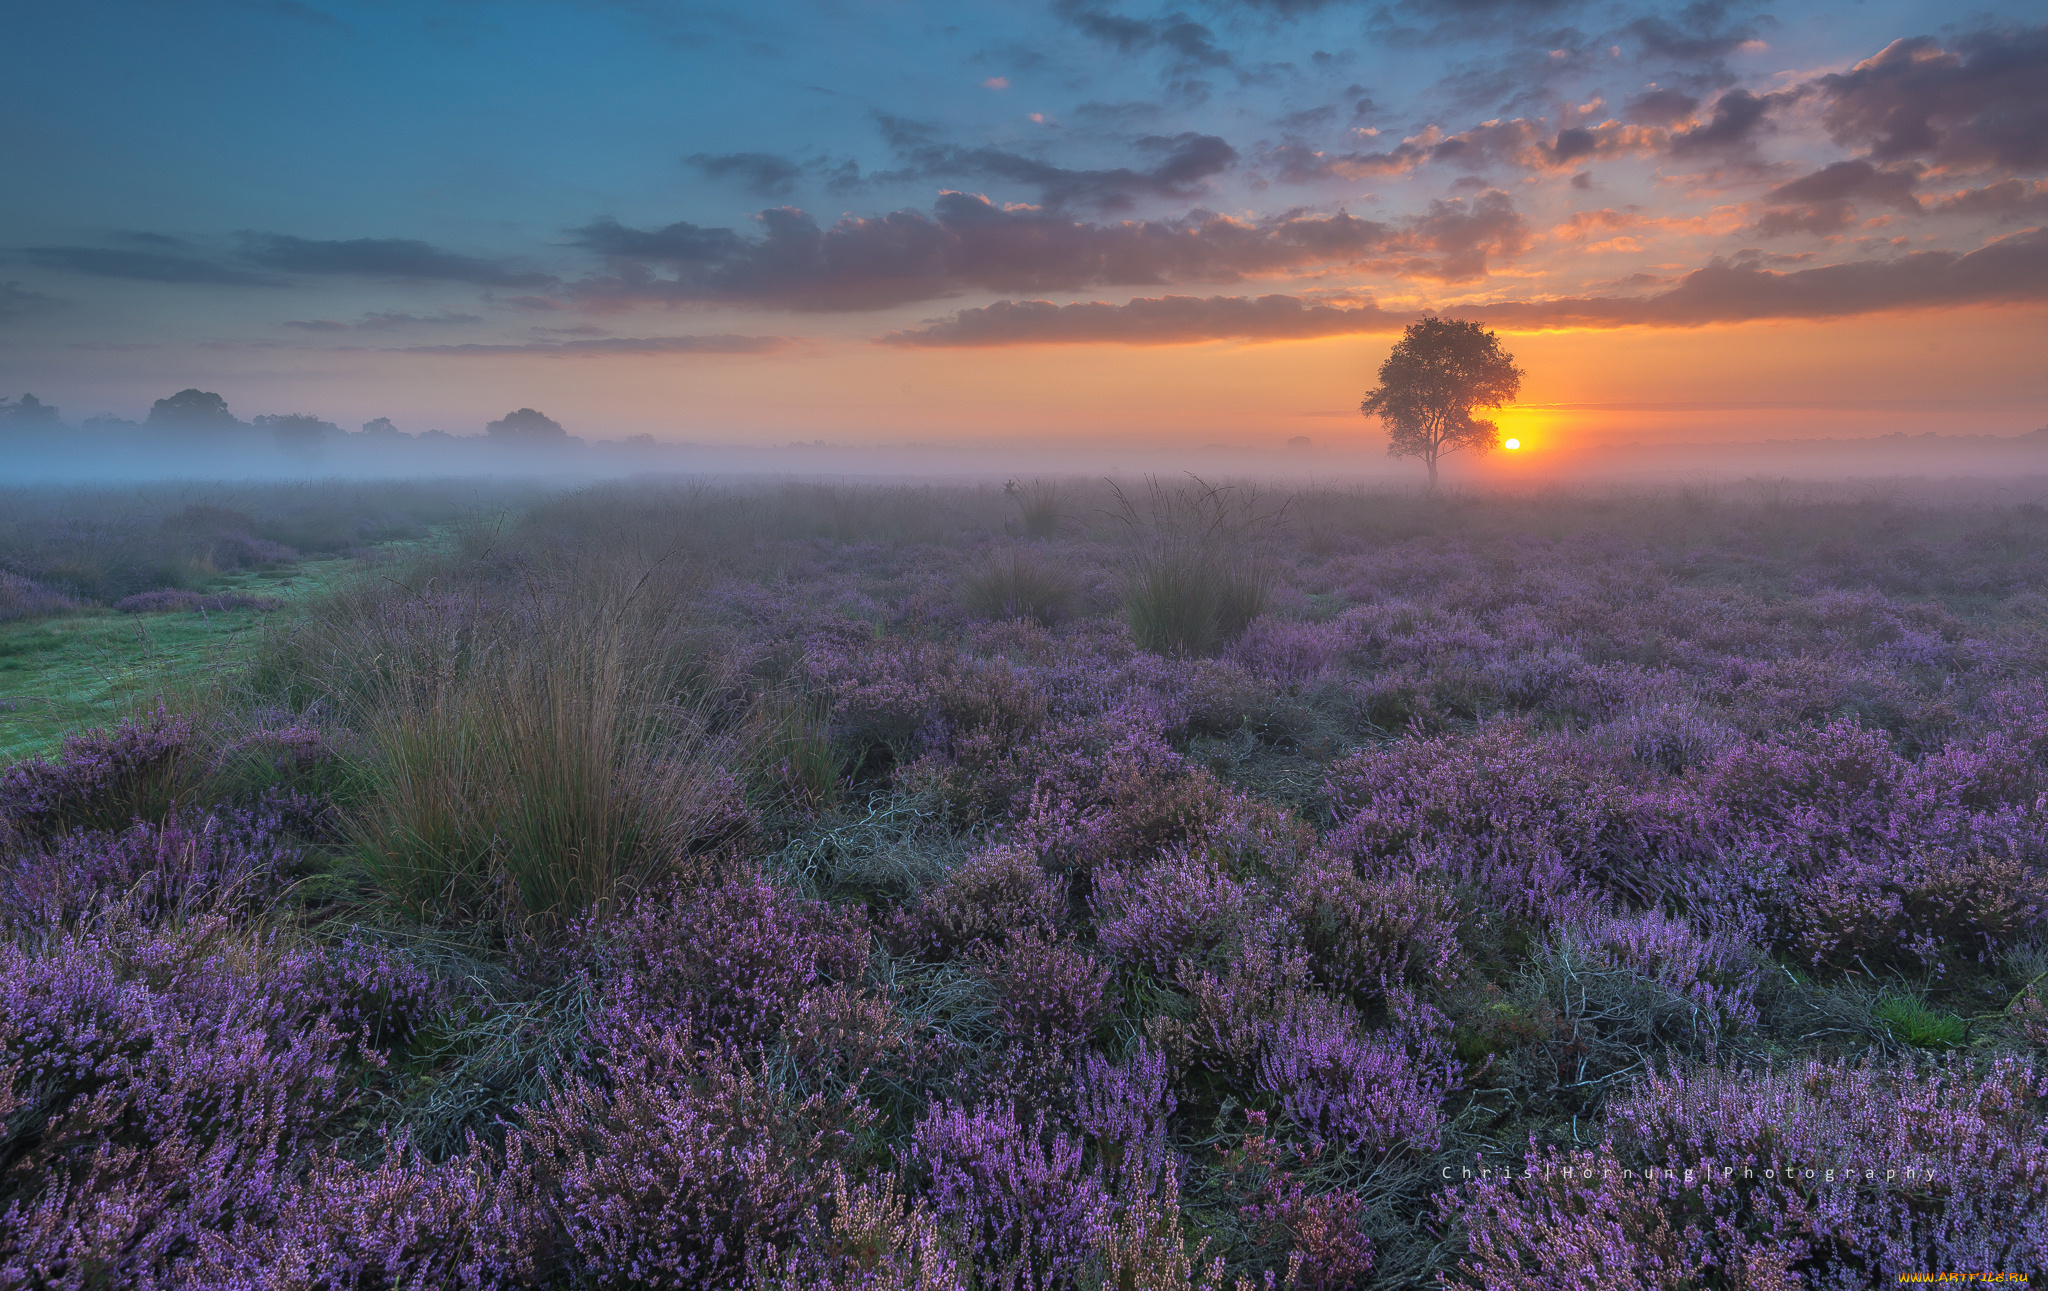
(1019,583)
(1913,1022)
(1198,573)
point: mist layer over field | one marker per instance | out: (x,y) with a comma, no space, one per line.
(1058,882)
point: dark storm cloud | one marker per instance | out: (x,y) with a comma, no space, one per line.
(722,344)
(403,259)
(2011,270)
(761,173)
(967,243)
(1824,201)
(1982,103)
(1185,162)
(146,266)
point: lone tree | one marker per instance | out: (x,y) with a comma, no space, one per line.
(193,410)
(526,427)
(1442,369)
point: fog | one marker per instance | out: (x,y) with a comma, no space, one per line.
(192,436)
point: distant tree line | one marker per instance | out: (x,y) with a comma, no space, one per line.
(197,414)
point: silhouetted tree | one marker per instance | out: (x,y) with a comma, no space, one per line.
(526,427)
(1441,370)
(193,410)
(381,428)
(27,411)
(298,432)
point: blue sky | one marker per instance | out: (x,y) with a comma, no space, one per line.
(716,219)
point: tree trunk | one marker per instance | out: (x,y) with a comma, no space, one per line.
(1432,472)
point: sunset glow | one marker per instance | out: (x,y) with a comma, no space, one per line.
(1053,223)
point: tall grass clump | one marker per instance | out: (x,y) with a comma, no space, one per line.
(788,751)
(527,762)
(1038,506)
(1019,583)
(1197,573)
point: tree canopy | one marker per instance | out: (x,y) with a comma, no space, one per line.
(1441,369)
(193,410)
(526,426)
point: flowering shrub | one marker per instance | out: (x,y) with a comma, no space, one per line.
(1183,906)
(1716,975)
(25,598)
(670,1164)
(1015,1192)
(1002,891)
(1365,938)
(865,1237)
(158,1114)
(149,872)
(1829,1175)
(103,779)
(1360,1089)
(1124,1107)
(731,960)
(1516,816)
(1049,992)
(471,1222)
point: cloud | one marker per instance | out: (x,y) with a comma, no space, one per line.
(1663,107)
(759,172)
(17,301)
(2007,198)
(1464,236)
(1165,320)
(1186,162)
(968,243)
(403,259)
(1739,117)
(1519,142)
(1983,103)
(720,344)
(146,266)
(1822,201)
(1691,37)
(1192,44)
(383,322)
(2010,270)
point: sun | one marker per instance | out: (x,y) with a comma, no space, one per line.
(1512,444)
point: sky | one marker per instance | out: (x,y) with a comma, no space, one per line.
(1029,221)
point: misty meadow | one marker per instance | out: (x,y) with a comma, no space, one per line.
(1067,884)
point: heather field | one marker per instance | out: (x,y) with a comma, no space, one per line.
(1054,885)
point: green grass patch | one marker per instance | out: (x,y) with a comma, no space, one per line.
(98,666)
(1916,1024)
